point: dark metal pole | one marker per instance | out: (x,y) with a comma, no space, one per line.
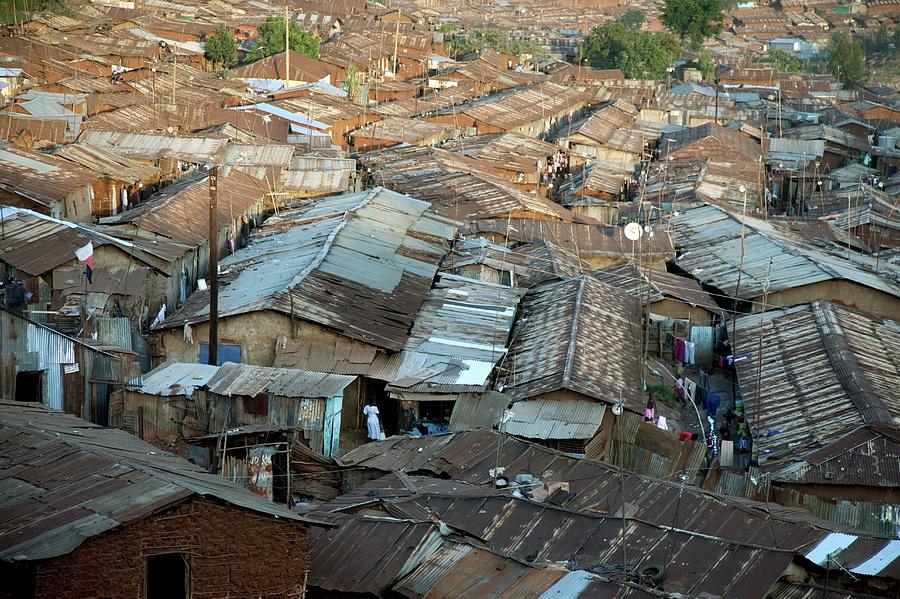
(213,274)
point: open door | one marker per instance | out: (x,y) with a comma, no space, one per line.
(29,386)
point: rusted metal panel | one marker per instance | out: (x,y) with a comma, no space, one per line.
(578,335)
(77,480)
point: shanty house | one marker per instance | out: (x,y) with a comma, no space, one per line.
(96,511)
(39,364)
(126,275)
(268,74)
(47,184)
(179,400)
(336,284)
(119,179)
(534,111)
(573,354)
(760,260)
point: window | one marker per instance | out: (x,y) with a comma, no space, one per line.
(227,353)
(167,576)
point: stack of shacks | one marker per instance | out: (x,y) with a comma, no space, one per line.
(514,326)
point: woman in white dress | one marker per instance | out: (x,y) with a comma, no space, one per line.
(372,423)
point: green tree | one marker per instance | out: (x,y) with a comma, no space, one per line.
(633,19)
(640,55)
(493,39)
(784,62)
(220,48)
(706,66)
(693,20)
(847,60)
(271,40)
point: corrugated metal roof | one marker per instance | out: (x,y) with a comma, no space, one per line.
(571,585)
(580,335)
(245,379)
(709,239)
(107,477)
(461,332)
(556,418)
(458,186)
(338,563)
(337,262)
(537,102)
(478,410)
(176,378)
(148,145)
(39,177)
(823,373)
(110,164)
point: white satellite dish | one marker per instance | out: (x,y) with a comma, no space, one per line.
(633,231)
(617,409)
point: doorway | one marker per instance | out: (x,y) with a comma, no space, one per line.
(167,576)
(28,386)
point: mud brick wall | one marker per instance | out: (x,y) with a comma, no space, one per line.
(230,552)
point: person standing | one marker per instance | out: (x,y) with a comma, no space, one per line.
(372,422)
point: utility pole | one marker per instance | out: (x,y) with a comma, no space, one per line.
(174,68)
(287,48)
(396,41)
(213,274)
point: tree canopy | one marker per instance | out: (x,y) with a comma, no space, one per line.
(640,55)
(693,20)
(493,39)
(271,40)
(632,19)
(847,60)
(220,48)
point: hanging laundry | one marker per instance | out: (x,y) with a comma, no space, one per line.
(689,352)
(661,423)
(690,390)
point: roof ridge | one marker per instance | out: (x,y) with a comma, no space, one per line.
(573,329)
(844,363)
(329,241)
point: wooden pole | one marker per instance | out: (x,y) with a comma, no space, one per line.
(287,48)
(213,274)
(174,69)
(396,41)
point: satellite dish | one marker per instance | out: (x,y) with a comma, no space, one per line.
(633,231)
(617,409)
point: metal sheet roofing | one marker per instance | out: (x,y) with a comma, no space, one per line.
(823,372)
(460,331)
(107,477)
(39,177)
(709,239)
(578,335)
(337,262)
(246,379)
(176,378)
(868,456)
(337,564)
(556,418)
(36,243)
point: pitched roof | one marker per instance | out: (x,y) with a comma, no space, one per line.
(661,284)
(824,372)
(303,68)
(39,177)
(68,480)
(579,335)
(359,263)
(709,239)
